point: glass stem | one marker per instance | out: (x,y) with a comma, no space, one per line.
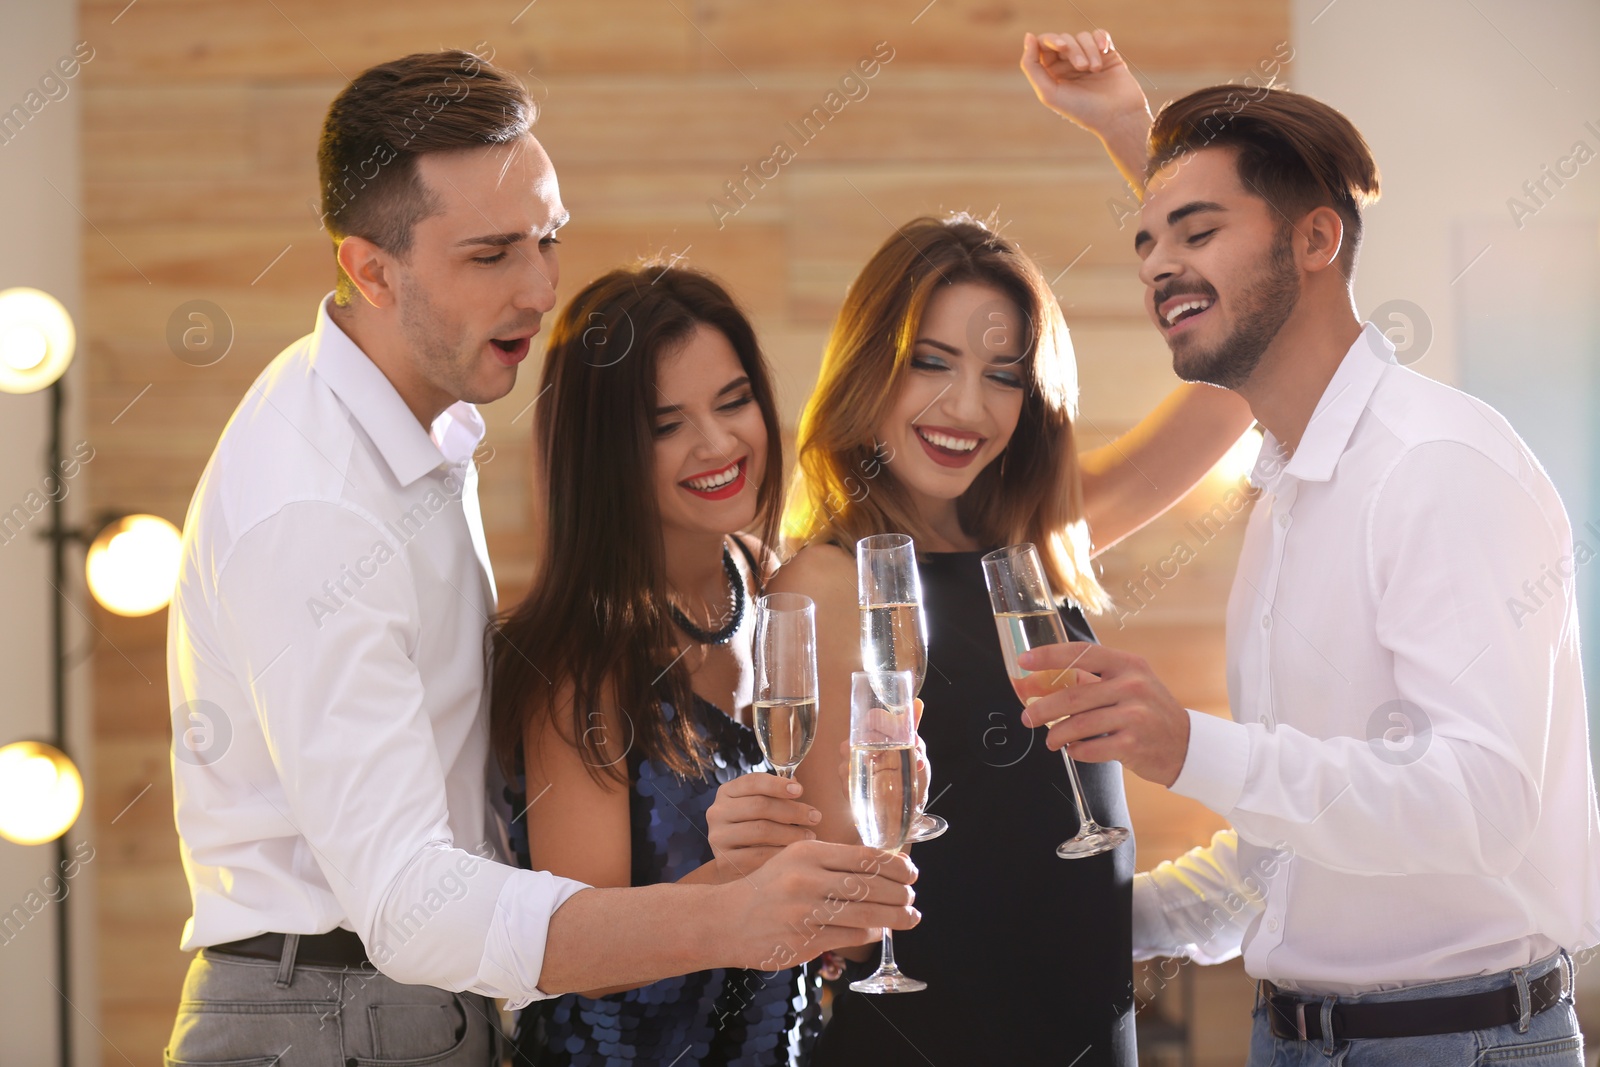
(886,964)
(1085,818)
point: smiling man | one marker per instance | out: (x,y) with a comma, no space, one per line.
(326,645)
(1416,844)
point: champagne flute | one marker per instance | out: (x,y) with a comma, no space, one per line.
(894,630)
(1026,616)
(786,679)
(882,786)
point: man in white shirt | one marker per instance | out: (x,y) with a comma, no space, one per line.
(326,645)
(1416,844)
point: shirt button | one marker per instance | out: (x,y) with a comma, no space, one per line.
(1272,924)
(1266,622)
(1283,520)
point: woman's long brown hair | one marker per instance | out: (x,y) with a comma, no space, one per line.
(596,622)
(844,489)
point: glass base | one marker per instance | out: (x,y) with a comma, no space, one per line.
(1091,841)
(891,981)
(926,827)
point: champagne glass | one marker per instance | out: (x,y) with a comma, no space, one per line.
(882,786)
(786,679)
(1026,616)
(894,630)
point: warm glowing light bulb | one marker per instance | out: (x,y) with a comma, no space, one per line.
(133,565)
(37,340)
(23,347)
(41,793)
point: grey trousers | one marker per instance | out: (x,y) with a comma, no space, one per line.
(258,1013)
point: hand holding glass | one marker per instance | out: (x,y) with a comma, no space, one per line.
(1026,616)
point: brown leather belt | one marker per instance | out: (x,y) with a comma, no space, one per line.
(336,948)
(1299,1019)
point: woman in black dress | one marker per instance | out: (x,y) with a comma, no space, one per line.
(944,410)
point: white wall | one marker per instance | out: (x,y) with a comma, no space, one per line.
(1460,111)
(40,237)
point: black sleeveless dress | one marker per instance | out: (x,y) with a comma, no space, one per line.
(723,1017)
(1028,957)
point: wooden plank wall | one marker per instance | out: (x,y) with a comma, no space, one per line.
(199,128)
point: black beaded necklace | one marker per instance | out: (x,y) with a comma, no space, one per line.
(735,617)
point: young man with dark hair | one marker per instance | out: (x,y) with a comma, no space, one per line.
(326,647)
(1416,844)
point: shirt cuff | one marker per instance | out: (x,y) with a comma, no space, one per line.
(1215,766)
(514,955)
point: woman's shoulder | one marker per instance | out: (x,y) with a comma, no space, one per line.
(759,560)
(818,569)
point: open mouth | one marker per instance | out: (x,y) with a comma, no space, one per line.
(718,484)
(947,447)
(1177,312)
(511,351)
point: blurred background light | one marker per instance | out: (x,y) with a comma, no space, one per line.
(132,566)
(37,340)
(41,792)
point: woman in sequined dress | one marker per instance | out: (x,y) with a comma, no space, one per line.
(618,683)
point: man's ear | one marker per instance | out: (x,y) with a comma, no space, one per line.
(1320,237)
(370,268)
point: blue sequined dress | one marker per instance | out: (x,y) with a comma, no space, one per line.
(736,1018)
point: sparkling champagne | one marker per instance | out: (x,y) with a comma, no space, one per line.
(785,730)
(1025,614)
(894,638)
(1022,631)
(881,793)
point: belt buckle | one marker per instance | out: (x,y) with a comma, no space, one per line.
(1300,1020)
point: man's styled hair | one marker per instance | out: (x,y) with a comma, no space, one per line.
(387,117)
(1294,152)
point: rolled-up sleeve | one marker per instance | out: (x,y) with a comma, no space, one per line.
(360,778)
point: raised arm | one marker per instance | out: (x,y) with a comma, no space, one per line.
(1144,472)
(1083,78)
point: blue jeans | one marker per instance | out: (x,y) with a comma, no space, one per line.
(1552,1039)
(258,1013)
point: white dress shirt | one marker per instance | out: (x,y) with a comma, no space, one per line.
(325,656)
(1407,770)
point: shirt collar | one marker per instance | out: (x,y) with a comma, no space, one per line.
(1327,435)
(378,407)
